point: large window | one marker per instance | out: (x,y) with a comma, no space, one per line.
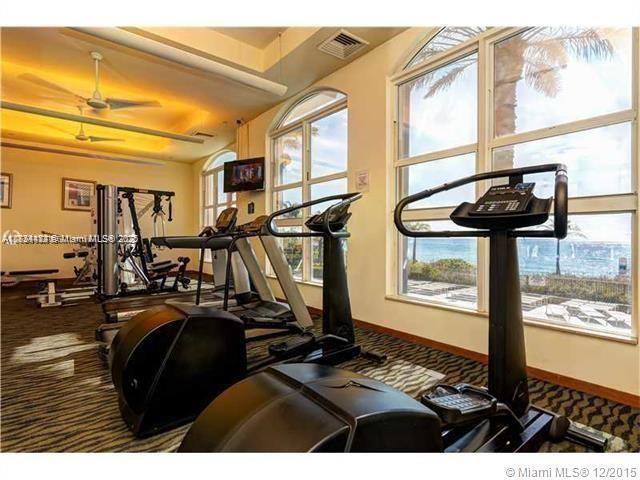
(309,152)
(214,200)
(474,100)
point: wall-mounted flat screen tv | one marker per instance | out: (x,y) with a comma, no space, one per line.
(243,175)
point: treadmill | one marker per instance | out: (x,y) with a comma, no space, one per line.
(263,316)
(119,309)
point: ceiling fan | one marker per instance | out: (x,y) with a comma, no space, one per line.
(96,101)
(83,137)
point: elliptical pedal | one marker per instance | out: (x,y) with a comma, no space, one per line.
(293,346)
(460,404)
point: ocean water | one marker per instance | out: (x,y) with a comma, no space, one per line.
(538,256)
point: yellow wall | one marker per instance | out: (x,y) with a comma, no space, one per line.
(365,81)
(37,202)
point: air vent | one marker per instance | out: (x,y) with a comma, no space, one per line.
(342,44)
(198,133)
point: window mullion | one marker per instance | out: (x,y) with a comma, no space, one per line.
(603,204)
(287,186)
(306,195)
(565,128)
(437,155)
(483,161)
(215,190)
(419,214)
(327,178)
(635,159)
(203,213)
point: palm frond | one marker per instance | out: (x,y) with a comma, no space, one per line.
(545,80)
(292,143)
(549,49)
(445,39)
(583,43)
(419,226)
(445,81)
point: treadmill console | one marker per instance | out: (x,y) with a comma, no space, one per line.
(226,220)
(504,200)
(254,226)
(338,219)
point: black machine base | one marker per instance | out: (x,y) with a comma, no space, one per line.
(313,408)
(169,363)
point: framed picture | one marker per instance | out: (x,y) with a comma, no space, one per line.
(77,194)
(6,189)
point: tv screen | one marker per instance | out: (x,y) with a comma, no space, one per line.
(243,175)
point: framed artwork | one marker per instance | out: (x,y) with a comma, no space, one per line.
(77,194)
(6,189)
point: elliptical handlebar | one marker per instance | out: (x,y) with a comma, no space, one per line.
(560,205)
(346,199)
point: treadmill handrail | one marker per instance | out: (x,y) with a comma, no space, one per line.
(346,198)
(560,199)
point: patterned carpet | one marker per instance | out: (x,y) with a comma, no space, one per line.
(56,395)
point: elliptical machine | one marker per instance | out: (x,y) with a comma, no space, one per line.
(169,362)
(298,407)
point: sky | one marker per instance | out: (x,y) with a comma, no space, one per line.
(598,160)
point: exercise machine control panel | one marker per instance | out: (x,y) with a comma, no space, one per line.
(254,226)
(338,218)
(504,200)
(226,220)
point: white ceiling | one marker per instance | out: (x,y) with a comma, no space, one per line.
(258,37)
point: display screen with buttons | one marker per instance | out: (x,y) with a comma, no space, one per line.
(504,200)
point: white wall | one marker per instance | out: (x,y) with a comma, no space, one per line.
(365,81)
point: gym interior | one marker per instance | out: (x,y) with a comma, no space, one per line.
(283,239)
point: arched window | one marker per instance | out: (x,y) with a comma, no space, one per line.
(309,159)
(214,200)
(442,41)
(474,100)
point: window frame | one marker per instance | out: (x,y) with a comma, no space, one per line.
(304,123)
(486,143)
(210,171)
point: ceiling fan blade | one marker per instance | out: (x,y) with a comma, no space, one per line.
(61,130)
(100,112)
(104,139)
(117,103)
(29,77)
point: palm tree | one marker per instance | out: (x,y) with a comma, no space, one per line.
(537,55)
(292,142)
(444,40)
(418,227)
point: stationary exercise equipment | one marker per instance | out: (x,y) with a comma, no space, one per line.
(234,262)
(118,309)
(306,408)
(15,277)
(129,268)
(83,287)
(262,314)
(169,362)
